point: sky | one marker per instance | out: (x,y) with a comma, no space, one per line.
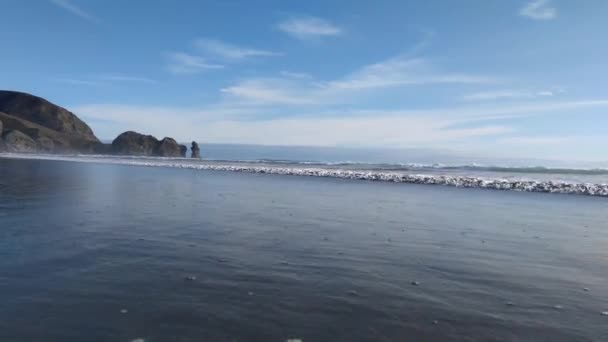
(506,78)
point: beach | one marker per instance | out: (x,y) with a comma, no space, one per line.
(112,252)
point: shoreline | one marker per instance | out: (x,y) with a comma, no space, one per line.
(459,181)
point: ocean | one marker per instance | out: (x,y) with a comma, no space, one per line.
(388,165)
(265,248)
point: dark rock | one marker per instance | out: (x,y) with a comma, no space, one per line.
(40,111)
(133,143)
(196,151)
(2,145)
(102,149)
(45,144)
(55,129)
(18,142)
(62,142)
(168,147)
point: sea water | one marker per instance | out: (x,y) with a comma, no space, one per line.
(101,251)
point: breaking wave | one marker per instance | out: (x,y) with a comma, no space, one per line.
(339,170)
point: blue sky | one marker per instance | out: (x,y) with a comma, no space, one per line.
(499,78)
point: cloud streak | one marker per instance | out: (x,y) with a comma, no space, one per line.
(68,6)
(309,27)
(392,73)
(437,127)
(184,63)
(124,78)
(401,71)
(205,125)
(106,79)
(230,51)
(539,10)
(508,95)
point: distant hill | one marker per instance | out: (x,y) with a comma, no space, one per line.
(50,127)
(30,124)
(40,111)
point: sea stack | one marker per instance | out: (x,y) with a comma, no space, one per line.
(135,144)
(196,151)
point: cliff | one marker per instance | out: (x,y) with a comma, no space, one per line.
(31,124)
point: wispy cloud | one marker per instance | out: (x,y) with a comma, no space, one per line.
(536,140)
(299,75)
(74,81)
(401,71)
(184,63)
(230,51)
(434,127)
(509,95)
(309,27)
(375,129)
(392,73)
(539,10)
(271,91)
(70,7)
(124,78)
(105,79)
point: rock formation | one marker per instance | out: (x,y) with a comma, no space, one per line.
(196,151)
(168,147)
(33,124)
(136,144)
(53,128)
(2,145)
(39,111)
(18,142)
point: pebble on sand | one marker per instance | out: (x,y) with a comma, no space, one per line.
(509,304)
(353,293)
(250,293)
(435,322)
(586,289)
(415,283)
(558,307)
(124,311)
(191,278)
(605,313)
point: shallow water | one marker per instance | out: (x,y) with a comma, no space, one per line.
(278,257)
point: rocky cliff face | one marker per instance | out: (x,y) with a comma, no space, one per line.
(2,144)
(136,144)
(40,111)
(18,142)
(53,129)
(168,147)
(32,124)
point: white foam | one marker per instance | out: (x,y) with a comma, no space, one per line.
(589,189)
